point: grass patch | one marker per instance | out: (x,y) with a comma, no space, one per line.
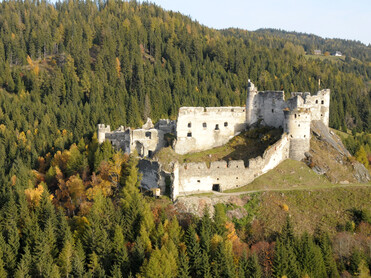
(290,174)
(247,145)
(323,209)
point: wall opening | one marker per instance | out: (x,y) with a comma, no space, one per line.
(150,153)
(316,101)
(189,134)
(225,124)
(216,187)
(204,125)
(298,125)
(148,134)
(295,116)
(216,127)
(232,110)
(322,102)
(198,181)
(189,124)
(272,110)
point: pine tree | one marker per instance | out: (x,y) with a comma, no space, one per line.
(205,231)
(65,258)
(183,265)
(355,260)
(205,265)
(328,257)
(78,260)
(220,219)
(193,251)
(310,258)
(285,261)
(24,266)
(120,255)
(253,268)
(3,273)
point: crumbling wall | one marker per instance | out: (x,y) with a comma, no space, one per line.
(152,175)
(146,141)
(222,175)
(200,128)
(269,107)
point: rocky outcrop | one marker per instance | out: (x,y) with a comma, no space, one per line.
(197,204)
(328,156)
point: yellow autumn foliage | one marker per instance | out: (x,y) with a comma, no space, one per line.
(232,236)
(29,60)
(33,195)
(284,207)
(215,241)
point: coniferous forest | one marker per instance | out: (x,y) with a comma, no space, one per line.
(70,207)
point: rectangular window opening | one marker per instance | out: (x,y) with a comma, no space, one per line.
(216,187)
(189,134)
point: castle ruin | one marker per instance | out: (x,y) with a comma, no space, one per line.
(202,128)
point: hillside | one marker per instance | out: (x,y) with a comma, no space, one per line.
(73,65)
(71,207)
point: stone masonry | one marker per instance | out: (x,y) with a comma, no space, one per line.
(202,128)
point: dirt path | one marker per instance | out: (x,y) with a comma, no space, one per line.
(214,194)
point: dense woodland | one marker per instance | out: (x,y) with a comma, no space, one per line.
(72,208)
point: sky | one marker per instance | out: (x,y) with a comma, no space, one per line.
(344,19)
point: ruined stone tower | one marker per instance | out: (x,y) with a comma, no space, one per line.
(297,126)
(102,130)
(251,103)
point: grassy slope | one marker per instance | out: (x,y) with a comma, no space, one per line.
(312,209)
(290,174)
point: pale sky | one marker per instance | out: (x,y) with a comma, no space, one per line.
(326,18)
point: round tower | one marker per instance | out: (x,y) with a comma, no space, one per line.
(297,126)
(102,130)
(250,110)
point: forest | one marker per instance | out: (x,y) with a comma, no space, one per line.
(72,208)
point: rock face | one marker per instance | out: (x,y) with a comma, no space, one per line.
(152,175)
(328,156)
(197,205)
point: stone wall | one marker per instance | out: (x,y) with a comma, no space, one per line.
(270,105)
(264,107)
(297,126)
(222,175)
(146,140)
(152,175)
(319,104)
(200,128)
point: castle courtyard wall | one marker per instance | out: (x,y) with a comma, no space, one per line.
(198,177)
(200,128)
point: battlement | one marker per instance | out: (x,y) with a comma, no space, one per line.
(209,110)
(104,128)
(221,175)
